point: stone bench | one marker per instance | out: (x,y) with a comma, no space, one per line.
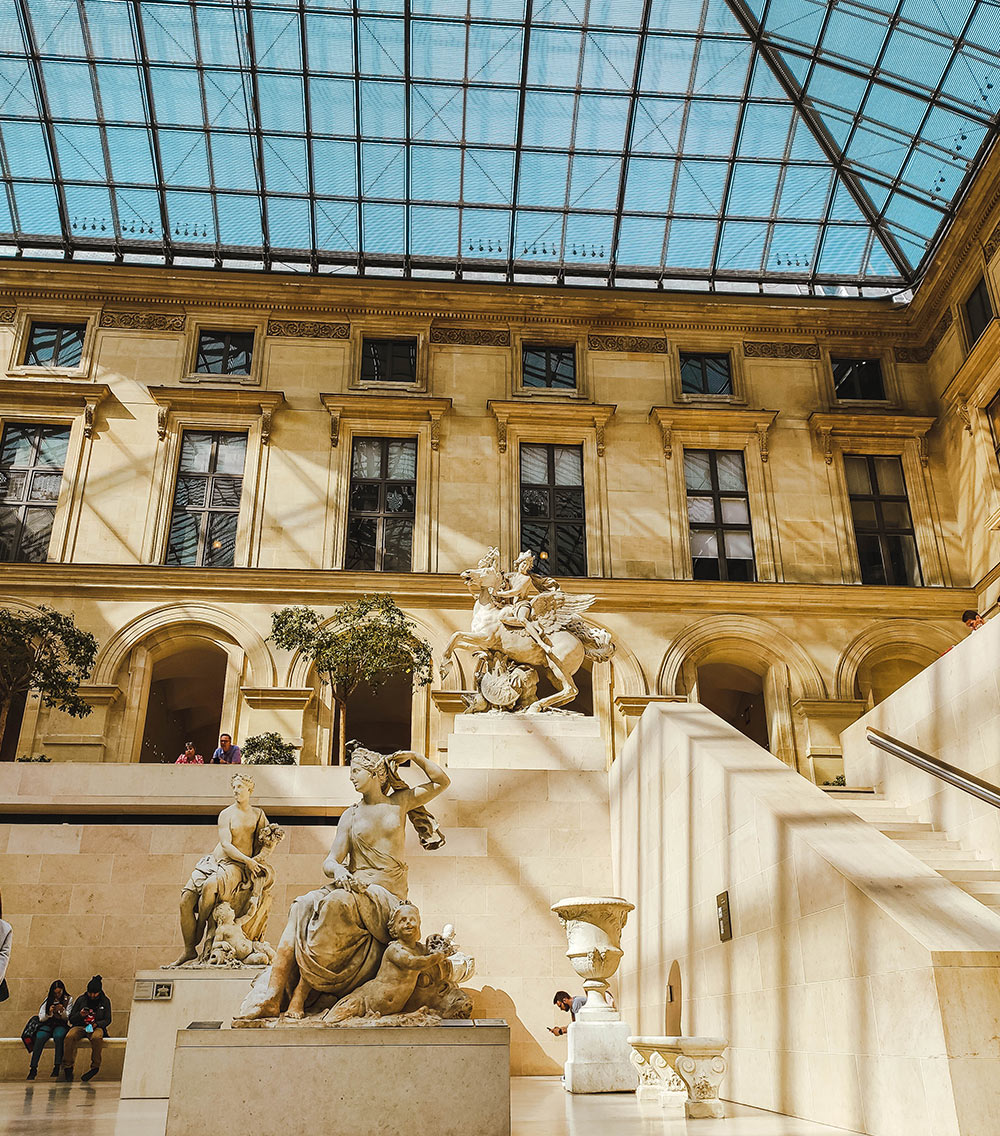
(14,1059)
(681,1070)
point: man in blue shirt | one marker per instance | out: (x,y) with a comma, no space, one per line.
(571,1005)
(227,753)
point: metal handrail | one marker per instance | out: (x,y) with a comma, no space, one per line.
(933,765)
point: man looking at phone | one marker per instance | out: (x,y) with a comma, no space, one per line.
(89,1020)
(571,1005)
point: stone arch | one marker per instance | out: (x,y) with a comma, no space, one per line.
(263,672)
(739,635)
(909,639)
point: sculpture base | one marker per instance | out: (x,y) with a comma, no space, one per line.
(598,1059)
(449,1080)
(526,741)
(196,994)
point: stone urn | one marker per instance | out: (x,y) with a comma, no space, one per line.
(594,930)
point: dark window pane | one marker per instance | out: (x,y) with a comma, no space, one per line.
(740,570)
(863,513)
(400,499)
(905,567)
(10,522)
(182,543)
(896,515)
(190,491)
(36,528)
(31,459)
(534,502)
(571,550)
(719,515)
(220,545)
(361,541)
(717,374)
(211,354)
(364,496)
(536,537)
(226,492)
(569,504)
(889,477)
(883,525)
(858,378)
(549,367)
(55,345)
(366,458)
(858,480)
(692,374)
(397,539)
(389,360)
(978,311)
(225,352)
(18,444)
(705,374)
(870,556)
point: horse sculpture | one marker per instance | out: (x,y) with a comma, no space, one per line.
(557,644)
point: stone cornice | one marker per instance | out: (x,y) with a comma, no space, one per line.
(52,583)
(705,420)
(54,398)
(401,409)
(858,427)
(216,400)
(550,412)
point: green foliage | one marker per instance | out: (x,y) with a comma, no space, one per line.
(367,641)
(839,782)
(267,749)
(37,757)
(45,651)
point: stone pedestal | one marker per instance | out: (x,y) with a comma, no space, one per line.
(697,1061)
(526,741)
(195,995)
(598,1058)
(449,1080)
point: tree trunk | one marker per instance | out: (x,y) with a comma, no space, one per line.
(341,730)
(4,710)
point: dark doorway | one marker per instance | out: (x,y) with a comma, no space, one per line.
(185,703)
(12,728)
(737,696)
(380,719)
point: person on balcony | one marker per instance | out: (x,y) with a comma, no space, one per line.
(227,753)
(190,756)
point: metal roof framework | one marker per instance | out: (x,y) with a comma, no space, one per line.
(801,145)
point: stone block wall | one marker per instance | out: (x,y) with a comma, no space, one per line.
(102,898)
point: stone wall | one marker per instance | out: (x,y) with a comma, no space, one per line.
(102,898)
(860,988)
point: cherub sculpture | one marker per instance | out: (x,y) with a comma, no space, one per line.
(231,945)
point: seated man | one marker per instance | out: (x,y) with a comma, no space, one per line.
(89,1020)
(572,1006)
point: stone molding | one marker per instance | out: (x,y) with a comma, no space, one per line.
(534,412)
(402,409)
(712,419)
(636,343)
(308,329)
(8,315)
(223,402)
(923,353)
(992,244)
(277,698)
(54,399)
(470,336)
(830,425)
(758,350)
(143,321)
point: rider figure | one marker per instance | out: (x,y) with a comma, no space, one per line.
(518,596)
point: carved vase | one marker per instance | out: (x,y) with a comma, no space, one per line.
(594,929)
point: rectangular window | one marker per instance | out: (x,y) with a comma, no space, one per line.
(553,368)
(705,374)
(993,414)
(207,499)
(224,352)
(31,468)
(553,520)
(978,311)
(388,360)
(55,344)
(883,526)
(382,506)
(719,515)
(858,378)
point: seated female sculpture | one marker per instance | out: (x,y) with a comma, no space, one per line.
(335,936)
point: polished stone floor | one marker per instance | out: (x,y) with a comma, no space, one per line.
(538,1104)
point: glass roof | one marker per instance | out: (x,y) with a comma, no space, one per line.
(729,144)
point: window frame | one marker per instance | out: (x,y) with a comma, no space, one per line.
(890,376)
(380,515)
(720,528)
(690,345)
(32,470)
(971,340)
(528,337)
(552,523)
(64,314)
(401,328)
(226,338)
(880,530)
(547,347)
(228,322)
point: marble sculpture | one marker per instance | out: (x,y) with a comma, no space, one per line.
(350,952)
(523,622)
(234,877)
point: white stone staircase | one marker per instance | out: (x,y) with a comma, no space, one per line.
(954,861)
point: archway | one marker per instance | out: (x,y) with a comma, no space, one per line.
(736,694)
(186,694)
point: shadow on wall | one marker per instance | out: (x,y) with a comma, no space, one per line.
(527,1058)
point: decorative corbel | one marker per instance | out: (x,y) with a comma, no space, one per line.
(502,435)
(826,441)
(761,430)
(963,412)
(599,431)
(334,428)
(667,438)
(88,417)
(161,422)
(435,432)
(922,450)
(265,425)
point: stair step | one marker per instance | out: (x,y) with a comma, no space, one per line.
(850,793)
(986,891)
(930,842)
(896,828)
(970,875)
(970,863)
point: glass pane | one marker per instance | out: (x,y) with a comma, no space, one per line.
(17,445)
(535,465)
(397,540)
(536,538)
(182,543)
(704,544)
(692,381)
(863,513)
(13,484)
(226,492)
(534,502)
(190,491)
(568,465)
(889,475)
(701,510)
(10,521)
(533,369)
(45,487)
(52,446)
(230,453)
(903,562)
(220,547)
(569,504)
(856,469)
(870,557)
(896,515)
(563,369)
(697,469)
(735,511)
(211,353)
(400,499)
(740,569)
(240,354)
(571,551)
(360,553)
(35,532)
(730,470)
(70,347)
(402,461)
(364,497)
(993,414)
(196,452)
(739,546)
(366,461)
(41,345)
(717,374)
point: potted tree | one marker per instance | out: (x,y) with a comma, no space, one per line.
(268,749)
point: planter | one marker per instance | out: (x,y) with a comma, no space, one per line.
(593,930)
